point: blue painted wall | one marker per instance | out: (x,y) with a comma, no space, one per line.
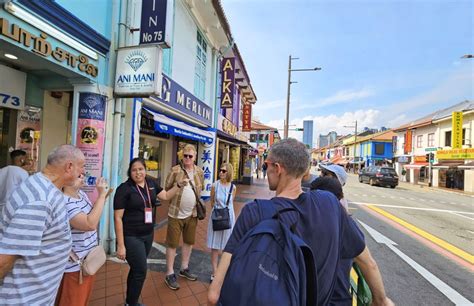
(96,13)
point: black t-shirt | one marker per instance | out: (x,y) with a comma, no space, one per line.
(128,198)
(322,223)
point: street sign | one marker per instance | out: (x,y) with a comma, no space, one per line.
(431,149)
(156,22)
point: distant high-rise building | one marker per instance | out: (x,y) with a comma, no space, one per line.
(308,133)
(328,139)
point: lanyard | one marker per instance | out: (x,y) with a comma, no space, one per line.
(148,192)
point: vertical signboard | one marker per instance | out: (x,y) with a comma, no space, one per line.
(156,22)
(28,135)
(408,142)
(228,82)
(247,118)
(456,141)
(206,160)
(90,138)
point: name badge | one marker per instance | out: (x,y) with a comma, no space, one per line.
(148,215)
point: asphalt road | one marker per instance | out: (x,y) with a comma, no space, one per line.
(423,241)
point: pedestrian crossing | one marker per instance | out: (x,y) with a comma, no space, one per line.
(404,198)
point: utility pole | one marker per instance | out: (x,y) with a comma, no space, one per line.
(287,121)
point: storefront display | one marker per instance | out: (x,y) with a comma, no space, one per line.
(28,134)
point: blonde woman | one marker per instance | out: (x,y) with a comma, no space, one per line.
(222,195)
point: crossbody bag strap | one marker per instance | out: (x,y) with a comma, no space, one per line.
(230,194)
(190,183)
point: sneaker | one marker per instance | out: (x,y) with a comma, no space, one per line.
(186,274)
(171,282)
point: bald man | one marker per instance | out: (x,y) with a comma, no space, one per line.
(35,237)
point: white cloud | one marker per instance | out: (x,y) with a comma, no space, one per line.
(266,105)
(340,97)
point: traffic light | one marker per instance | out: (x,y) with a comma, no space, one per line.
(427,157)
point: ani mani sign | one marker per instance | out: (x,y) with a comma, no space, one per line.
(228,82)
(247,118)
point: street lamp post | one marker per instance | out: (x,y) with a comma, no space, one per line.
(287,122)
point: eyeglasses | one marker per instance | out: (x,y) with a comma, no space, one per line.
(188,156)
(223,170)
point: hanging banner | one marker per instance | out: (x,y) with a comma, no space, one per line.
(247,118)
(90,138)
(408,142)
(28,135)
(456,141)
(228,82)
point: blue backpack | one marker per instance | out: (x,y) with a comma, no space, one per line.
(271,266)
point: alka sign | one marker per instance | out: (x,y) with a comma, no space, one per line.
(228,82)
(156,21)
(138,71)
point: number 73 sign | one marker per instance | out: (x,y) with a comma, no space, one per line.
(12,88)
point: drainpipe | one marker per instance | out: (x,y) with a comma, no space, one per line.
(118,116)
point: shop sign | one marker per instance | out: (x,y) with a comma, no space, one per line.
(138,72)
(457,130)
(420,159)
(394,144)
(156,22)
(455,154)
(90,138)
(247,118)
(28,133)
(226,126)
(178,98)
(206,160)
(228,82)
(408,142)
(40,45)
(12,88)
(403,159)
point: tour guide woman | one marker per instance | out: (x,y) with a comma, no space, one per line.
(134,222)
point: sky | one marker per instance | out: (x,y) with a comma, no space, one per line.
(384,62)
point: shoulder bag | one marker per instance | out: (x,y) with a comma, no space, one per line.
(91,263)
(221,216)
(200,206)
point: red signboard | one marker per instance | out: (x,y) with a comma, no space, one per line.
(247,118)
(408,142)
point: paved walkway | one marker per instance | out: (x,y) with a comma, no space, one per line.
(110,285)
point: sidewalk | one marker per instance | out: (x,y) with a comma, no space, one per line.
(110,285)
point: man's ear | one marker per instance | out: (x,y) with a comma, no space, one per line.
(68,166)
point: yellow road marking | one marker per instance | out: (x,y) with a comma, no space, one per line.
(445,245)
(354,278)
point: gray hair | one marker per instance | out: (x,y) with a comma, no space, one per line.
(64,153)
(292,155)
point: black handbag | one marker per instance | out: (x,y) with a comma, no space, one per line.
(221,216)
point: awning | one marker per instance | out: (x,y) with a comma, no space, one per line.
(415,166)
(338,160)
(230,139)
(447,165)
(469,165)
(165,124)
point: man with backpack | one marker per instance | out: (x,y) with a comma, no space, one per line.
(316,217)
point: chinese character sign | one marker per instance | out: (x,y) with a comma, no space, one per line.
(228,82)
(408,142)
(247,118)
(206,160)
(457,130)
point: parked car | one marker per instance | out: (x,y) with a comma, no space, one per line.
(376,175)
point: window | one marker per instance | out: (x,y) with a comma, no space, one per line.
(419,141)
(200,69)
(431,140)
(379,149)
(447,139)
(463,136)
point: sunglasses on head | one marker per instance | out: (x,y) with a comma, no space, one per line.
(188,156)
(223,170)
